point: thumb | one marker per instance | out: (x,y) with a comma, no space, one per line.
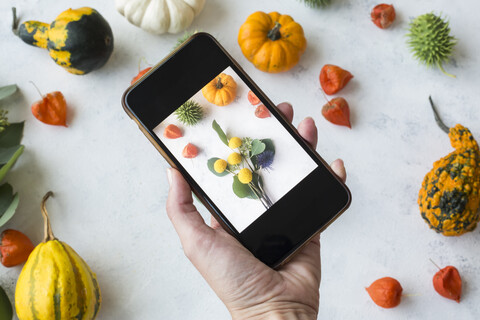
(185,218)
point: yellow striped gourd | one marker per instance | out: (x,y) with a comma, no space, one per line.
(79,40)
(55,283)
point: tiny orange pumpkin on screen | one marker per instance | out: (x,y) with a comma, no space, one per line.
(221,91)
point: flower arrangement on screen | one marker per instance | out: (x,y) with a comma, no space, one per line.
(246,162)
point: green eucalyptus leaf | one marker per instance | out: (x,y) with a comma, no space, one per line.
(269,144)
(12,135)
(8,156)
(8,203)
(257,147)
(241,190)
(210,164)
(7,91)
(220,132)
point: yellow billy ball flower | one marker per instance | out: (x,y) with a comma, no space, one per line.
(234,158)
(220,165)
(234,142)
(245,175)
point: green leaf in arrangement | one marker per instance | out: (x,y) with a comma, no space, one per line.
(269,144)
(12,135)
(8,203)
(257,147)
(7,91)
(242,190)
(220,132)
(210,164)
(8,156)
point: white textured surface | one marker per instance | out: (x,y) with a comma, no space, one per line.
(291,163)
(111,187)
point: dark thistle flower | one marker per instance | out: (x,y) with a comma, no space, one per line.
(265,159)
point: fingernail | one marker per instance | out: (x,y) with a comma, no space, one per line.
(310,118)
(169,176)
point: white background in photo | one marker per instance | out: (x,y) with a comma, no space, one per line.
(290,165)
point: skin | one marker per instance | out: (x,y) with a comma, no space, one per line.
(247,287)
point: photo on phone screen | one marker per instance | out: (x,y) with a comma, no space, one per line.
(239,154)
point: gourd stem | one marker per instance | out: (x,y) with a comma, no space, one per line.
(46,220)
(219,83)
(15,21)
(38,90)
(275,34)
(439,64)
(439,121)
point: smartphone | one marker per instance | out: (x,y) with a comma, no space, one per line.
(246,163)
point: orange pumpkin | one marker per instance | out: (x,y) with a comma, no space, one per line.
(272,42)
(221,91)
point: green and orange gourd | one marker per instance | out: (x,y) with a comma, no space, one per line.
(450,194)
(79,40)
(55,282)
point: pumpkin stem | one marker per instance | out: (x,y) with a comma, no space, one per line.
(46,220)
(439,121)
(275,34)
(219,83)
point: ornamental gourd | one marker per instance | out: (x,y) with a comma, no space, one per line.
(449,198)
(79,40)
(221,91)
(160,16)
(55,282)
(272,42)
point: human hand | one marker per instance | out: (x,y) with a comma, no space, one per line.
(249,288)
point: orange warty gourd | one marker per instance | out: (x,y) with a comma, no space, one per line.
(272,42)
(221,91)
(450,194)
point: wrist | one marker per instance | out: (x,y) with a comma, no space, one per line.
(276,311)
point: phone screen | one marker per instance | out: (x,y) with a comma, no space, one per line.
(239,154)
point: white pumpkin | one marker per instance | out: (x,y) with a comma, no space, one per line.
(160,16)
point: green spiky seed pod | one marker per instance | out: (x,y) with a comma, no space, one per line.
(184,38)
(317,3)
(189,113)
(430,40)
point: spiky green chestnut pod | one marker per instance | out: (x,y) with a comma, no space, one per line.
(430,40)
(317,3)
(184,38)
(189,113)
